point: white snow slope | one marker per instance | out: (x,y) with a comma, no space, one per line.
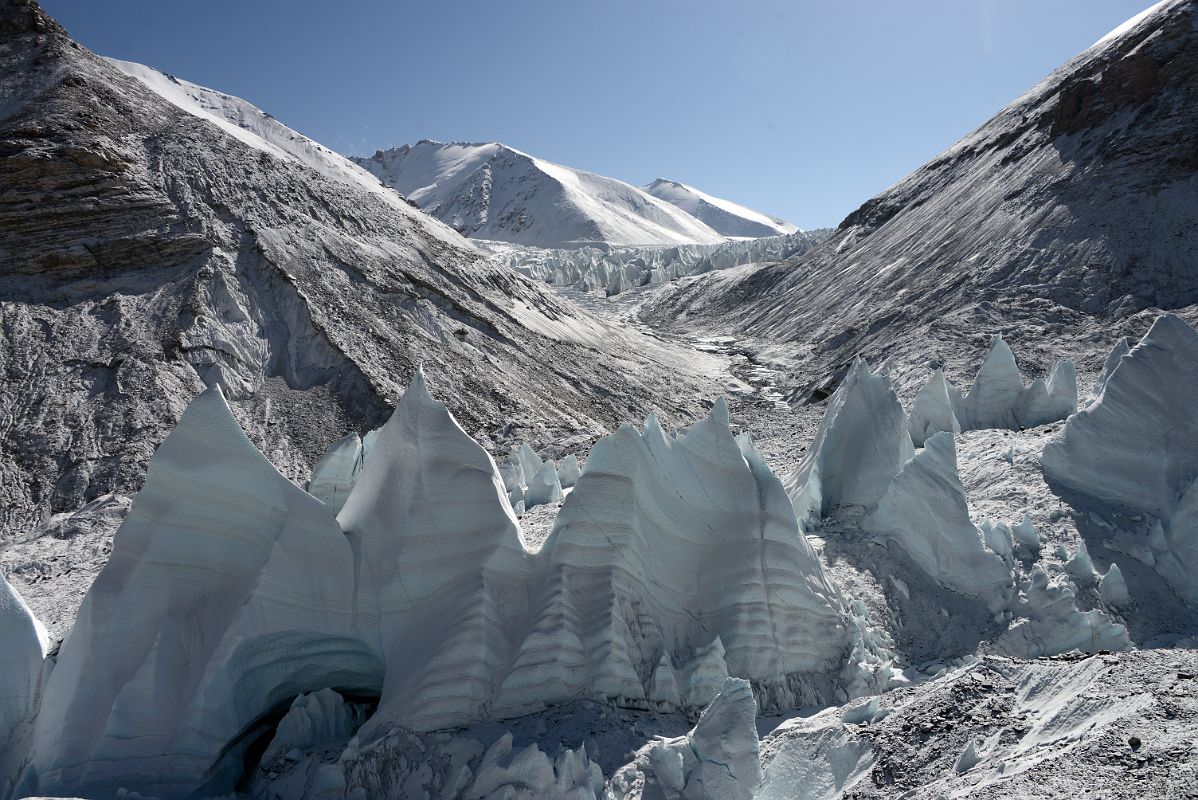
(492,191)
(728,218)
(254,127)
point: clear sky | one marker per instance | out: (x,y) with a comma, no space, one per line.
(801,109)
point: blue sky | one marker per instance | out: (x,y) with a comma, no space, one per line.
(800,109)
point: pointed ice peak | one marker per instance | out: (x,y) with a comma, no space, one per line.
(543,488)
(568,472)
(733,707)
(718,759)
(663,685)
(1116,355)
(1044,402)
(426,475)
(926,513)
(530,461)
(207,432)
(1113,588)
(1062,380)
(932,411)
(705,674)
(1169,332)
(1080,566)
(1025,533)
(1136,448)
(996,389)
(653,426)
(969,758)
(719,412)
(419,386)
(999,356)
(860,446)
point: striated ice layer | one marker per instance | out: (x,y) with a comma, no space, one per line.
(667,546)
(1135,448)
(676,562)
(23,646)
(925,512)
(225,595)
(439,565)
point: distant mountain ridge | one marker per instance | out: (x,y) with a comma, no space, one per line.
(727,218)
(492,191)
(496,192)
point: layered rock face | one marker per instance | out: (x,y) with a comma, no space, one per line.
(146,252)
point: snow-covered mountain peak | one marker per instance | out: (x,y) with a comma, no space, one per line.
(728,218)
(493,191)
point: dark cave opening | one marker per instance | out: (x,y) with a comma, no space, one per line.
(237,766)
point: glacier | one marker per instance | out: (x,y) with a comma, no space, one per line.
(681,577)
(612,270)
(420,593)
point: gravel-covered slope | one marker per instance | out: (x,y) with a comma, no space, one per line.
(1109,725)
(1056,223)
(146,252)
